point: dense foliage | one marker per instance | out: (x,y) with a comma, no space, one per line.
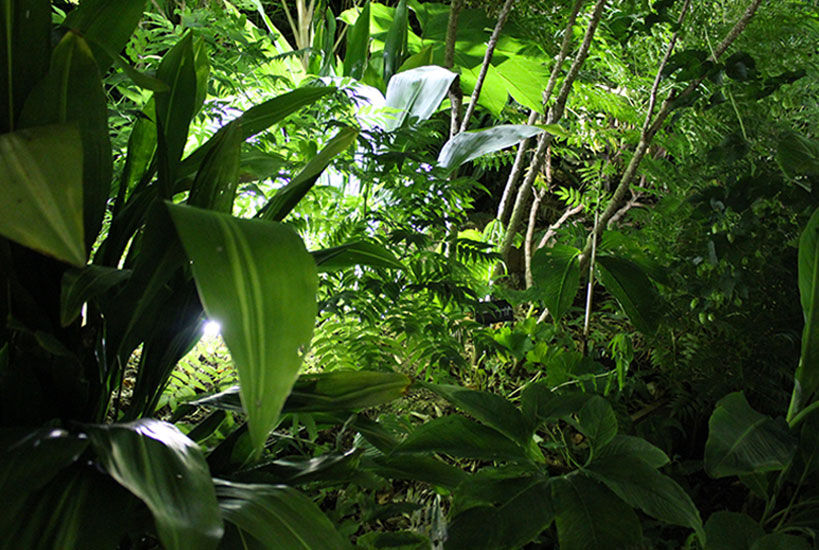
(538,275)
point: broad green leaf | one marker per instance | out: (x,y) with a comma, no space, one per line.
(731,531)
(525,512)
(215,184)
(420,59)
(168,472)
(81,285)
(143,80)
(257,119)
(525,80)
(468,146)
(322,55)
(806,379)
(331,391)
(628,446)
(300,470)
(28,462)
(25,51)
(41,191)
(628,283)
(642,486)
(288,197)
(462,438)
(395,43)
(256,279)
(590,517)
(494,93)
(142,143)
(798,155)
(743,441)
(175,108)
(417,93)
(109,23)
(346,390)
(781,541)
(493,410)
(277,516)
(358,45)
(596,420)
(79,509)
(419,468)
(556,273)
(72,92)
(357,253)
(397,540)
(540,404)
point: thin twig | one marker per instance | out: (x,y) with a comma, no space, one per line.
(487,59)
(517,167)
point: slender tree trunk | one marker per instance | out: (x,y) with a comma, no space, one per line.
(487,60)
(555,114)
(455,95)
(651,127)
(517,167)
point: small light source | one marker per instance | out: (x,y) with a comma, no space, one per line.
(211,330)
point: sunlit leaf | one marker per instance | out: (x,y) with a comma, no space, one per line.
(468,146)
(256,279)
(357,253)
(395,44)
(417,93)
(168,472)
(41,191)
(358,43)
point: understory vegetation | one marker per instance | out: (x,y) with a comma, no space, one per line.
(327,274)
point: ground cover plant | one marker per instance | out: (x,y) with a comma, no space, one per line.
(530,275)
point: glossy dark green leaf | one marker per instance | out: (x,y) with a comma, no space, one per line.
(358,45)
(731,531)
(628,446)
(345,390)
(395,44)
(277,516)
(287,197)
(417,93)
(418,468)
(590,517)
(806,378)
(29,461)
(643,487)
(256,279)
(356,253)
(798,155)
(300,470)
(81,285)
(81,508)
(743,441)
(462,438)
(331,391)
(493,410)
(176,107)
(72,93)
(25,53)
(41,198)
(540,404)
(106,22)
(168,472)
(257,119)
(468,146)
(629,284)
(556,273)
(525,512)
(596,420)
(215,184)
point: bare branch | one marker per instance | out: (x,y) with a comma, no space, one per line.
(517,167)
(449,59)
(487,59)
